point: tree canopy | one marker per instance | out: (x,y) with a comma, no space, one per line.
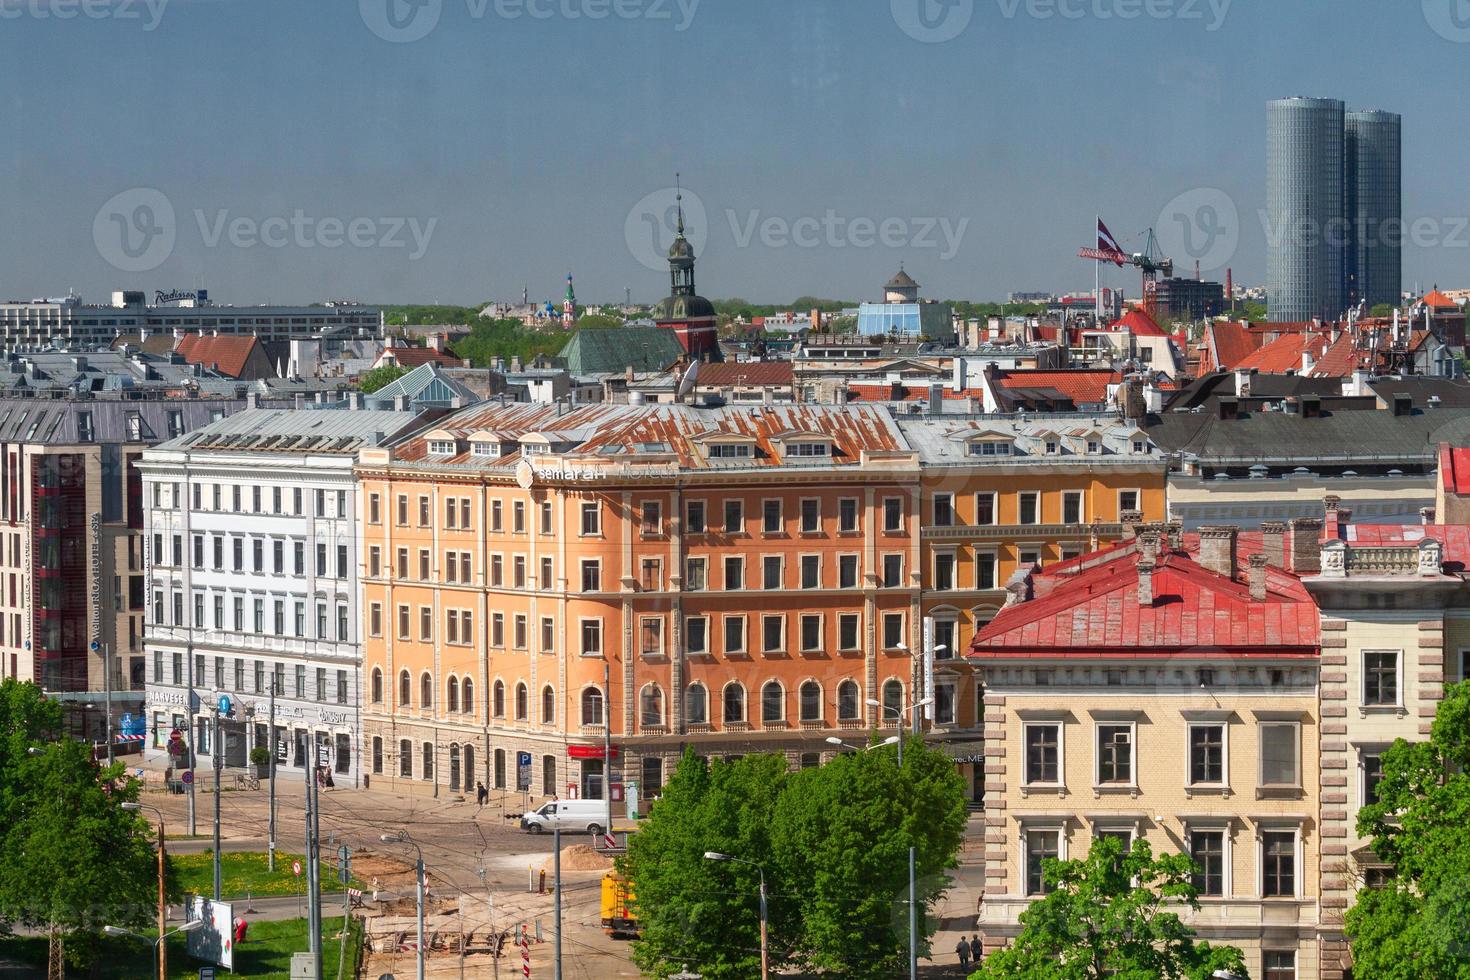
(1112,914)
(1416,926)
(380,377)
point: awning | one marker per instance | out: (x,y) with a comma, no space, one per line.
(588,752)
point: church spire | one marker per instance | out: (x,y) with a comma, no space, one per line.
(679,201)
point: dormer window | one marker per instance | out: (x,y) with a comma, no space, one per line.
(808,449)
(1140,446)
(990,447)
(490,449)
(1093,447)
(730,450)
(441,447)
(1052,447)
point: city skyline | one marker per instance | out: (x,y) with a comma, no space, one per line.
(981,165)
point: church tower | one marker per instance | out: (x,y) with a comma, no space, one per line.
(569,306)
(689,315)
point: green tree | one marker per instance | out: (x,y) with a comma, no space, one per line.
(1417,925)
(71,860)
(598,321)
(699,912)
(1381,310)
(380,377)
(843,831)
(1115,915)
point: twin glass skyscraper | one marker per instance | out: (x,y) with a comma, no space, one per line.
(1334,209)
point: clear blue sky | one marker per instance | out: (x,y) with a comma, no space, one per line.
(528,141)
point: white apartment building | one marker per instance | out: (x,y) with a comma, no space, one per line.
(252,577)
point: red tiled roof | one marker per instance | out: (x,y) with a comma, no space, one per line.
(1340,360)
(745,373)
(905,393)
(1227,343)
(226,354)
(1140,324)
(1454,468)
(1438,300)
(412,357)
(1096,611)
(1283,354)
(1454,537)
(1086,386)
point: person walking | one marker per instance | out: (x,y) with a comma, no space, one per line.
(977,950)
(482,795)
(963,949)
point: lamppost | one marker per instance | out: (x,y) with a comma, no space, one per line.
(161,942)
(402,837)
(890,740)
(765,946)
(899,712)
(162,863)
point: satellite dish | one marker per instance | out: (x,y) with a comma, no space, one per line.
(686,384)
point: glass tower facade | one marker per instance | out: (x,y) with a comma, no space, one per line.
(1374,186)
(1307,234)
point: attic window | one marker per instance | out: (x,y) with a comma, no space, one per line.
(1140,446)
(1051,447)
(990,448)
(441,447)
(1093,447)
(485,449)
(729,450)
(808,449)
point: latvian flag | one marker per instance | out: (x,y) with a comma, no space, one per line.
(1107,243)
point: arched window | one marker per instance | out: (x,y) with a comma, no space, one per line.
(523,702)
(451,697)
(892,701)
(847,701)
(467,702)
(426,690)
(773,701)
(405,689)
(454,767)
(497,699)
(811,701)
(734,703)
(377,685)
(591,706)
(405,758)
(469,767)
(651,706)
(428,770)
(548,705)
(696,705)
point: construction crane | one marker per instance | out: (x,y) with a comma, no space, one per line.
(1151,261)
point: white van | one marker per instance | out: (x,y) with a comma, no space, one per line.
(578,816)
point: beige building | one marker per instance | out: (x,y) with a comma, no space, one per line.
(1165,688)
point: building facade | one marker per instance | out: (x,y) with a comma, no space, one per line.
(1373,184)
(539,582)
(1304,199)
(252,584)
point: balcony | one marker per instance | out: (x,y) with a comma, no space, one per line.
(1006,532)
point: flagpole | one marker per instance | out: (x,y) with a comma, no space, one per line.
(1097,286)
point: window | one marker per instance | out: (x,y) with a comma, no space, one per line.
(696,634)
(985,563)
(424,574)
(548,634)
(1278,864)
(426,690)
(734,634)
(1115,754)
(497,699)
(893,513)
(591,519)
(893,571)
(377,754)
(1043,754)
(810,698)
(427,754)
(811,516)
(467,696)
(811,572)
(592,706)
(548,705)
(591,637)
(497,515)
(1279,768)
(1127,500)
(943,509)
(892,631)
(1278,964)
(893,701)
(696,705)
(375,515)
(773,702)
(734,574)
(405,758)
(403,627)
(847,631)
(734,516)
(497,571)
(1041,845)
(497,629)
(651,707)
(734,703)
(944,704)
(771,522)
(523,702)
(847,515)
(847,571)
(694,575)
(1206,754)
(847,701)
(1380,677)
(518,631)
(811,632)
(771,572)
(1072,507)
(944,564)
(547,578)
(773,630)
(1372,763)
(1028,507)
(1207,850)
(591,575)
(729,450)
(377,685)
(651,636)
(426,623)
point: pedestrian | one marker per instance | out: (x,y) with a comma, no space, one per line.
(963,948)
(240,927)
(482,795)
(977,950)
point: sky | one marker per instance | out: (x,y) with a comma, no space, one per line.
(457,151)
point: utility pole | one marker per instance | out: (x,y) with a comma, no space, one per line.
(913,895)
(218,761)
(556,895)
(607,744)
(189,730)
(270,738)
(107,687)
(313,876)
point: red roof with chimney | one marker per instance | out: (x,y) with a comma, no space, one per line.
(1140,324)
(1084,385)
(226,354)
(1439,301)
(1284,353)
(412,357)
(745,373)
(1454,469)
(1227,343)
(1083,612)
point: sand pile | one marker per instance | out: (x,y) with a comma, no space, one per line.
(581,857)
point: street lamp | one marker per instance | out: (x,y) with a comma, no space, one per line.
(899,712)
(162,906)
(765,947)
(890,740)
(402,837)
(189,926)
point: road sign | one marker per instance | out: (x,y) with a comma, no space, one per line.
(224,705)
(188,776)
(523,771)
(344,864)
(206,973)
(296,868)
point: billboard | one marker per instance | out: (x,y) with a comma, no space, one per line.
(213,942)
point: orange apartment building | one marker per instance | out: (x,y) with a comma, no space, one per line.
(1002,496)
(746,578)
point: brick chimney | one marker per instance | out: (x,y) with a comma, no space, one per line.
(1258,577)
(1303,545)
(1145,581)
(1131,520)
(1273,536)
(1148,542)
(1174,530)
(1217,549)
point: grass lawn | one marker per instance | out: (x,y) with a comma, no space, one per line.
(266,953)
(244,872)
